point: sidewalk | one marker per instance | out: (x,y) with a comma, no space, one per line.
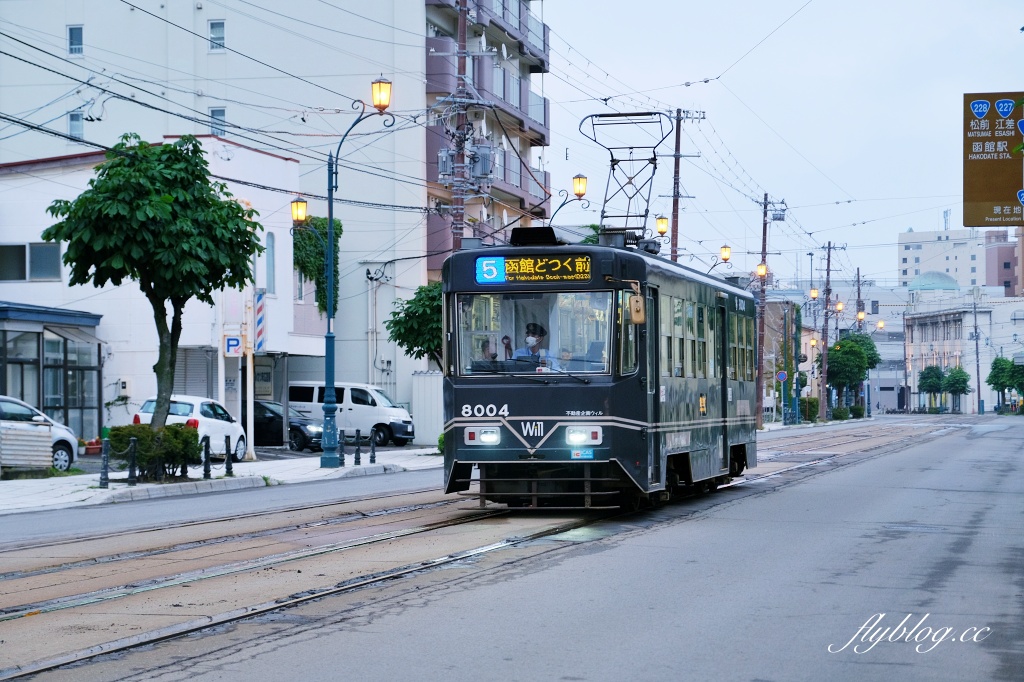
(73,491)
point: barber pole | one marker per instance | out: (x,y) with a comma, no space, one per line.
(260,315)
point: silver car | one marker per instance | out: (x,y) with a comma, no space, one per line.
(17,414)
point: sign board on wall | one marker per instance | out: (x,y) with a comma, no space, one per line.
(263,380)
(993,174)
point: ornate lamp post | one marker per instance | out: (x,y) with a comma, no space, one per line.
(724,254)
(381,93)
(579,188)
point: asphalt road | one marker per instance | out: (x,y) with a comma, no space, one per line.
(907,565)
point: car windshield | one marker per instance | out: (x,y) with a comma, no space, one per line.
(384,399)
(517,333)
(278,409)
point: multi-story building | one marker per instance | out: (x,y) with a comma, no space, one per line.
(256,81)
(964,255)
(947,326)
(507,55)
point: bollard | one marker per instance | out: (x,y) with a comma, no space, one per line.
(341,448)
(227,457)
(358,459)
(206,458)
(373,445)
(133,446)
(104,472)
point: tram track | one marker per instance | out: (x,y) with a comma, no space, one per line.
(171,606)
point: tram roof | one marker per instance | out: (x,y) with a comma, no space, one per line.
(651,261)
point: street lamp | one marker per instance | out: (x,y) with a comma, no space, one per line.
(724,254)
(381,93)
(298,211)
(662,224)
(579,188)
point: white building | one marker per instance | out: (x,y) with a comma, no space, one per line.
(947,326)
(126,328)
(279,83)
(957,253)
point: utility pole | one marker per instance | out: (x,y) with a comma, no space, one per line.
(977,356)
(460,175)
(676,196)
(823,399)
(760,319)
(860,306)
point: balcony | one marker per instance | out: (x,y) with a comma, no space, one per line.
(442,72)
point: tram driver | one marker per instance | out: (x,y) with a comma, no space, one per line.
(533,351)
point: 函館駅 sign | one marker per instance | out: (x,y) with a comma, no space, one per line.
(993,173)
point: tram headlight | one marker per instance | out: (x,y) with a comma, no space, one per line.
(584,435)
(476,435)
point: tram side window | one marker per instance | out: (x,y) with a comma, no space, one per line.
(665,309)
(749,374)
(627,337)
(678,337)
(714,356)
(732,347)
(691,338)
(702,344)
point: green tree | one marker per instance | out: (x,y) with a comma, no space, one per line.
(152,215)
(929,380)
(847,367)
(415,324)
(308,256)
(957,382)
(591,238)
(1000,377)
(867,344)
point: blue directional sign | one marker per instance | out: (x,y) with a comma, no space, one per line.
(980,108)
(1020,195)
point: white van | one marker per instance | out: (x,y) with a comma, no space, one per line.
(360,406)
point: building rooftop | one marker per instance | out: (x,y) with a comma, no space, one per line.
(933,281)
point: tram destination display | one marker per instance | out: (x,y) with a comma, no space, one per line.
(532,269)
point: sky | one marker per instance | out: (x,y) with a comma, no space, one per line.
(850,112)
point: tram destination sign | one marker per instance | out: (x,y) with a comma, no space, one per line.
(532,269)
(993,173)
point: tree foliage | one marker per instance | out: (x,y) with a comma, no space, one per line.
(152,215)
(956,382)
(308,256)
(415,324)
(591,238)
(847,365)
(867,344)
(929,380)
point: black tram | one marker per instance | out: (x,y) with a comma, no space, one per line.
(637,378)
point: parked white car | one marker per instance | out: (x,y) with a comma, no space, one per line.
(205,415)
(15,414)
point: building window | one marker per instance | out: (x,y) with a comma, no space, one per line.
(906,247)
(1006,284)
(217,117)
(917,259)
(20,262)
(904,260)
(974,257)
(947,257)
(974,269)
(917,272)
(216,36)
(974,281)
(75,40)
(1006,266)
(76,127)
(904,271)
(271,258)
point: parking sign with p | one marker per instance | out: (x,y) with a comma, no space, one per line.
(233,347)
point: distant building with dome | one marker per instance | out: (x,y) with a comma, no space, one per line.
(968,256)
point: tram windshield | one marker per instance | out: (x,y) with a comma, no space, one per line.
(517,333)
